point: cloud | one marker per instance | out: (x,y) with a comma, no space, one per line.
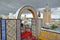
(40,9)
(13,5)
(7,5)
(11,16)
(55,12)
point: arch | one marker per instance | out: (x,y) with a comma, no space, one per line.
(29,8)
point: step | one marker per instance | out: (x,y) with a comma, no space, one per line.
(32,38)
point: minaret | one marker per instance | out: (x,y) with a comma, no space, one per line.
(47,15)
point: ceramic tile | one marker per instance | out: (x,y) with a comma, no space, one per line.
(3,30)
(0,29)
(18,30)
(11,29)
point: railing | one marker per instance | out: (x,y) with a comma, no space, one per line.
(47,34)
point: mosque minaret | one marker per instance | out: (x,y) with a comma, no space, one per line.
(47,14)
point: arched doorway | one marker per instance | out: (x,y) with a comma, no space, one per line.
(32,10)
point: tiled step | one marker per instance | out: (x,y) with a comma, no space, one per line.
(32,38)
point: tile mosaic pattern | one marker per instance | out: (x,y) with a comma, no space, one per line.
(33,27)
(0,29)
(18,30)
(3,30)
(11,29)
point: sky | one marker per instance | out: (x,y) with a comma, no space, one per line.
(11,6)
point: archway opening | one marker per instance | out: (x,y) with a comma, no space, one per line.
(26,13)
(29,8)
(24,24)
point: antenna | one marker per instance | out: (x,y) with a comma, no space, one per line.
(47,15)
(47,2)
(47,5)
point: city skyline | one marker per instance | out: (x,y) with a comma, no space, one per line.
(11,6)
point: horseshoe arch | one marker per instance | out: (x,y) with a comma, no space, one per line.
(29,8)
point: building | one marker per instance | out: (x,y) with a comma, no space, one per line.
(56,22)
(47,15)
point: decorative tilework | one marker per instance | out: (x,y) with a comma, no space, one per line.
(11,29)
(0,29)
(3,30)
(33,27)
(18,30)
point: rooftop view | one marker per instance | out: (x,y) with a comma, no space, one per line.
(29,19)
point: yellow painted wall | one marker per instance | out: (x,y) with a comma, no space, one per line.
(45,35)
